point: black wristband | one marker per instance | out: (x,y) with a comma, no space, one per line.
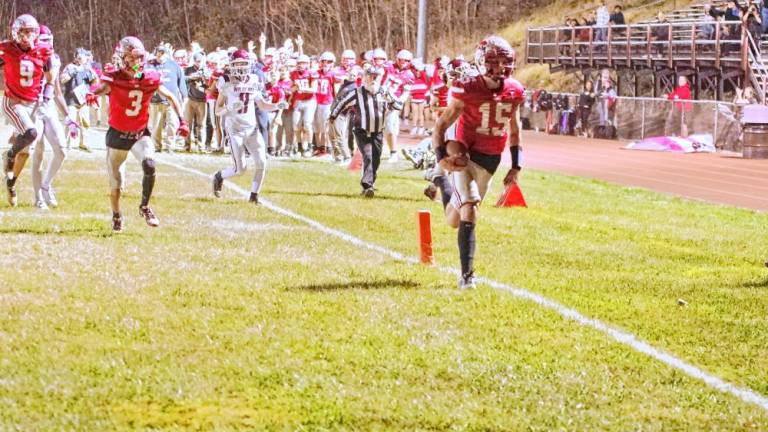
(514,151)
(440,153)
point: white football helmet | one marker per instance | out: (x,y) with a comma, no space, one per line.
(130,54)
(25,30)
(270,52)
(327,59)
(348,58)
(379,56)
(302,63)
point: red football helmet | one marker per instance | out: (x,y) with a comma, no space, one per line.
(495,58)
(457,68)
(25,31)
(45,36)
(240,64)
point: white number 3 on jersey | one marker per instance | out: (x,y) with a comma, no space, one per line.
(136,96)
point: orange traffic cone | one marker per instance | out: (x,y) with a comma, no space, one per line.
(357,161)
(511,197)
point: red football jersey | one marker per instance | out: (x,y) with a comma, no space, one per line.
(325,89)
(303,80)
(129,99)
(24,70)
(398,79)
(419,87)
(482,124)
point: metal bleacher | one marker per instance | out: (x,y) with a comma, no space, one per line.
(717,56)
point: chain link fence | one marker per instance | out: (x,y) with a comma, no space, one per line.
(638,118)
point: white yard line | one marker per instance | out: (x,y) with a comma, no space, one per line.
(621,336)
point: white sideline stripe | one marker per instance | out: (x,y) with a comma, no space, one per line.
(621,336)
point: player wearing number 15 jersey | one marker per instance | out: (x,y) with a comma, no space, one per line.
(240,92)
(130,89)
(486,109)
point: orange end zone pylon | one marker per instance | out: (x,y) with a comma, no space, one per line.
(425,237)
(512,196)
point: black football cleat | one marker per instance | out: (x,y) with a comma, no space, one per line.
(254,198)
(431,192)
(11,186)
(218,184)
(8,164)
(117,223)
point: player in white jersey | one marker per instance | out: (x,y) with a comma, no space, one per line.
(240,92)
(53,132)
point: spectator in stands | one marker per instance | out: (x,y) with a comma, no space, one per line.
(586,101)
(567,36)
(754,24)
(764,14)
(603,18)
(617,17)
(677,115)
(712,11)
(707,29)
(732,11)
(660,33)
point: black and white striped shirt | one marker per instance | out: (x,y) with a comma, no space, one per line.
(371,109)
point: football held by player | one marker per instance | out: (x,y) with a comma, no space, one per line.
(485,107)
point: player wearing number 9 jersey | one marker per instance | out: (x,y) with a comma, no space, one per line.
(130,89)
(240,93)
(24,67)
(485,107)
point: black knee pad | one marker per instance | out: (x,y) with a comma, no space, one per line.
(148,165)
(27,138)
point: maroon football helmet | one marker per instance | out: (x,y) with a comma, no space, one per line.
(495,58)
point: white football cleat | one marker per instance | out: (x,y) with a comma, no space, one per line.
(49,197)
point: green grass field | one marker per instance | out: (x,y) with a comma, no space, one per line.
(233,317)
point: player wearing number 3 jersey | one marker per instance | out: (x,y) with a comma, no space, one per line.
(486,109)
(130,89)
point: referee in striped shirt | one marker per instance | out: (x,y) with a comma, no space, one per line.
(370,105)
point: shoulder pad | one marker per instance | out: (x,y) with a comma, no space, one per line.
(515,88)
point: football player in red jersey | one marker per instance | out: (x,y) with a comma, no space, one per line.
(130,89)
(303,104)
(326,92)
(486,107)
(24,67)
(397,86)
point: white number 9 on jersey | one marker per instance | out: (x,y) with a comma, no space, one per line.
(27,72)
(136,97)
